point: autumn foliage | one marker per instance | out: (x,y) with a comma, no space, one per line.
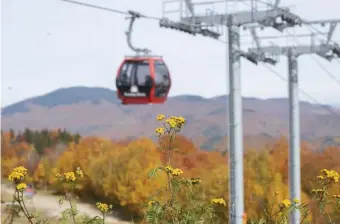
(118,171)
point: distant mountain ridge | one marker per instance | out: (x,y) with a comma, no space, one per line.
(97,111)
(64,96)
(71,95)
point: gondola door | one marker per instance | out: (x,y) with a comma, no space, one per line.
(134,81)
(162,81)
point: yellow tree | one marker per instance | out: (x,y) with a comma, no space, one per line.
(264,184)
(13,154)
(43,173)
(127,174)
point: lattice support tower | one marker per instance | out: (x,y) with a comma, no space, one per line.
(233,22)
(327,50)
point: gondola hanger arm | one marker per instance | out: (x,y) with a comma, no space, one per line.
(133,17)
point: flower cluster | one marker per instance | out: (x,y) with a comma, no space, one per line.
(17,174)
(175,122)
(159,131)
(103,207)
(219,201)
(172,122)
(177,172)
(316,191)
(80,173)
(69,177)
(160,117)
(174,172)
(330,175)
(286,203)
(326,178)
(194,181)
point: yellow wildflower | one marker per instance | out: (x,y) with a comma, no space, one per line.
(79,172)
(171,122)
(331,175)
(151,203)
(336,196)
(70,176)
(219,201)
(175,122)
(160,117)
(159,131)
(286,203)
(195,181)
(177,172)
(168,169)
(181,120)
(20,169)
(21,186)
(320,177)
(17,174)
(103,207)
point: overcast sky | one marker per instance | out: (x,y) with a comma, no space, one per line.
(49,44)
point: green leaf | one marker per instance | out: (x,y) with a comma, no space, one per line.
(153,173)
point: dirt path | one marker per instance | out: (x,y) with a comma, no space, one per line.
(49,205)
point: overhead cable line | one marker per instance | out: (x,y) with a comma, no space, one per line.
(302,91)
(337,81)
(317,61)
(190,28)
(305,22)
(311,27)
(110,9)
(338,61)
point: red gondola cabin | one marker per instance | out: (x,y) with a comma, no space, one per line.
(143,80)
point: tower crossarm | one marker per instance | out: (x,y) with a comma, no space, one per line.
(265,18)
(321,22)
(327,51)
(332,23)
(303,22)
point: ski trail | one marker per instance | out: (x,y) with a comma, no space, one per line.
(49,205)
